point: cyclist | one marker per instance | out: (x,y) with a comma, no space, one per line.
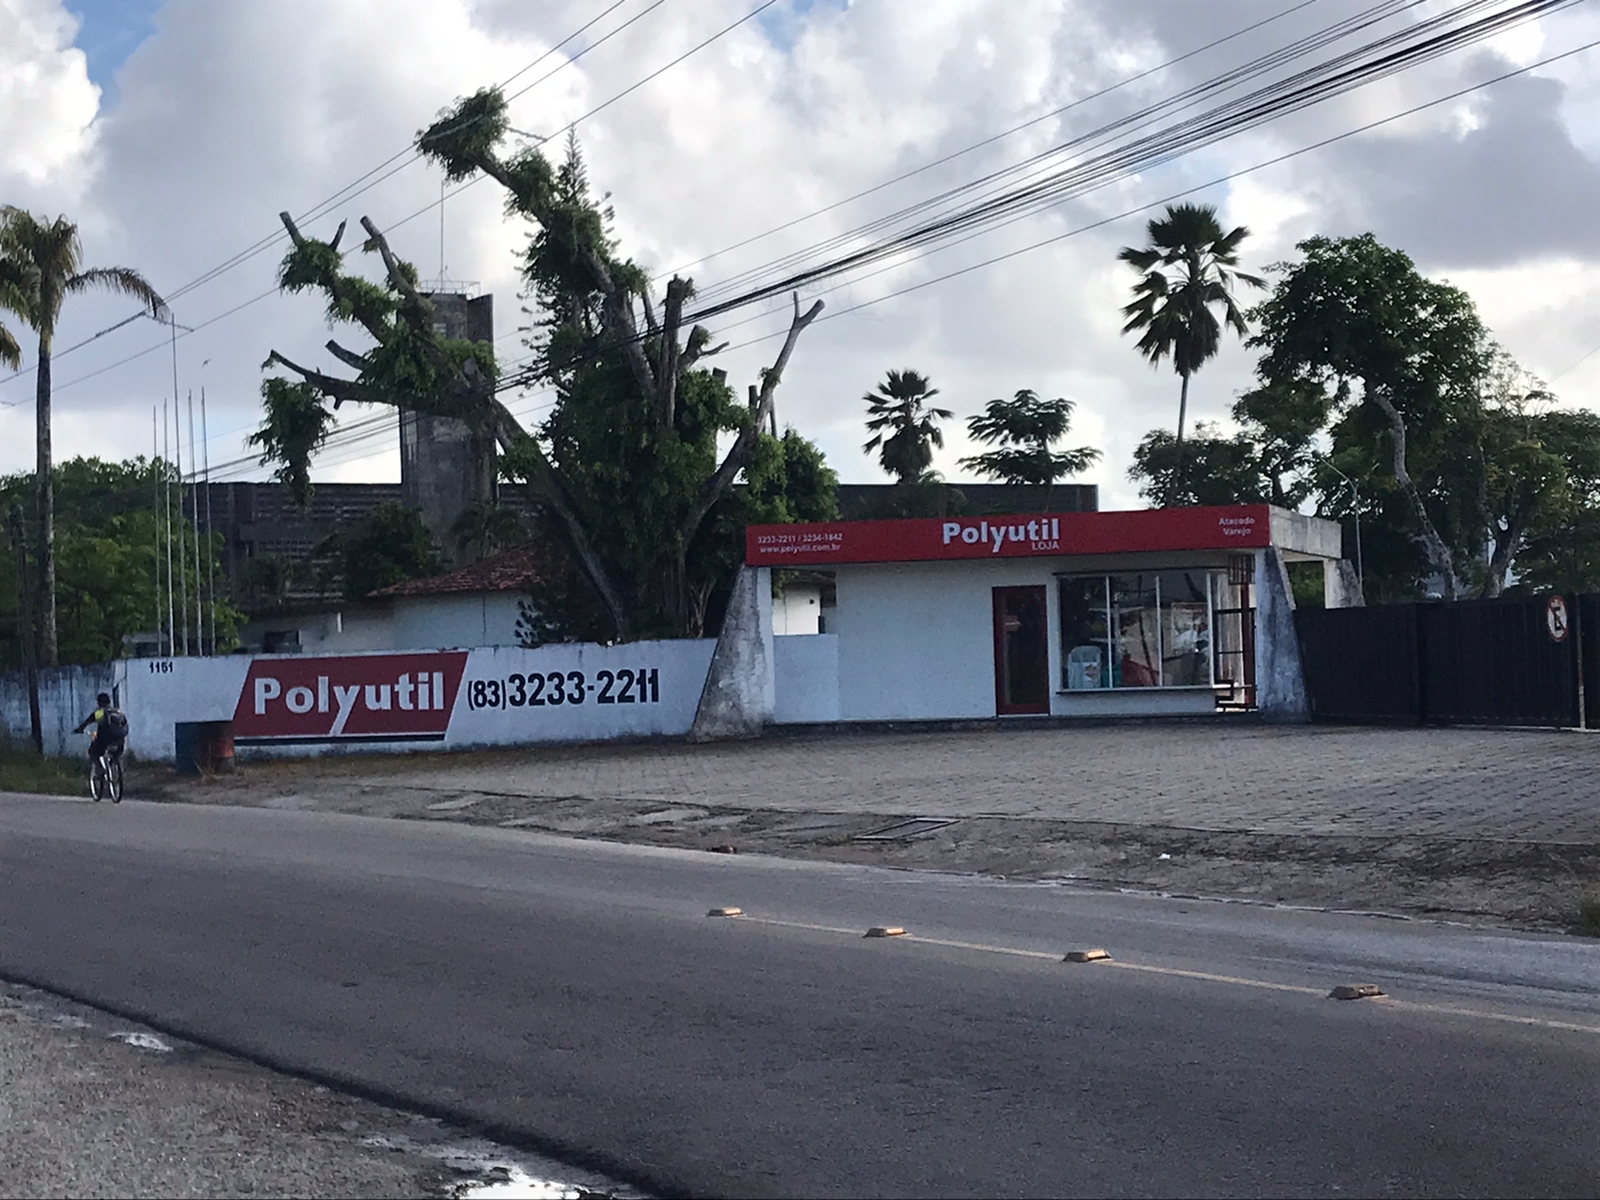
(111,729)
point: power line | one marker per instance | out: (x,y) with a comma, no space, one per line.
(1305,89)
(603,105)
(659,71)
(351,190)
(1221,179)
(988,141)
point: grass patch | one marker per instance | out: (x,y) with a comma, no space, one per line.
(24,769)
(1589,914)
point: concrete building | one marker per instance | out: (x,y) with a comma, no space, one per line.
(1070,614)
(447,466)
(472,606)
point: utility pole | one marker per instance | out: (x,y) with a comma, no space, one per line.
(194,516)
(25,629)
(155,511)
(166,523)
(183,549)
(211,549)
(1355,500)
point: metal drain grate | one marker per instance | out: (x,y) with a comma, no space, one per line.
(902,830)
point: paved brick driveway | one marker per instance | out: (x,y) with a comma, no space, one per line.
(1512,785)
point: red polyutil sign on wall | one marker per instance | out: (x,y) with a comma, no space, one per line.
(1027,536)
(359,698)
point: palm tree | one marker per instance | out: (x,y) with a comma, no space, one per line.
(1189,267)
(16,294)
(903,425)
(52,255)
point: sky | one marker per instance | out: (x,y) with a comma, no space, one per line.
(174,131)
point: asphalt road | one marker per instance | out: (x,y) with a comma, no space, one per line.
(575,997)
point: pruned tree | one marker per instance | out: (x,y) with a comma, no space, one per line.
(629,522)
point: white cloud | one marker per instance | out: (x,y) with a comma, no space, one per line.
(47,104)
(230,112)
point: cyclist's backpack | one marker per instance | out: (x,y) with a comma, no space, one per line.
(115,723)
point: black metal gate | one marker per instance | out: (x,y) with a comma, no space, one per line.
(1472,662)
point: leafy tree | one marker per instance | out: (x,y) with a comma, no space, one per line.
(489,528)
(110,553)
(389,546)
(1189,268)
(904,426)
(1561,551)
(1354,313)
(624,470)
(1024,428)
(1225,470)
(51,255)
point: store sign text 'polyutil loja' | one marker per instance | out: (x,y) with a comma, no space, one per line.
(1036,535)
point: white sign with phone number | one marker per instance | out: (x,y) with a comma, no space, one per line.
(579,692)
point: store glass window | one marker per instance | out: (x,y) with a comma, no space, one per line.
(1137,630)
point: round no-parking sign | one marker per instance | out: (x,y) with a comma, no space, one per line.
(1555,618)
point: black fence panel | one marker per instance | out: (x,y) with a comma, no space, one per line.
(1495,662)
(1588,634)
(1472,662)
(1360,664)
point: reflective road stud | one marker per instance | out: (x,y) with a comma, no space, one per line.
(726,912)
(885,931)
(1086,956)
(1355,991)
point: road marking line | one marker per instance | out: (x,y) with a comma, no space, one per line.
(1209,977)
(1450,1010)
(1205,977)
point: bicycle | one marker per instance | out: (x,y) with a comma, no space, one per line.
(105,776)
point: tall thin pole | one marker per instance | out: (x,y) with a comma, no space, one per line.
(166,509)
(194,517)
(183,548)
(155,511)
(211,549)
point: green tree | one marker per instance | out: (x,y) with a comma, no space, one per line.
(625,469)
(51,254)
(1024,430)
(1189,268)
(1356,314)
(390,545)
(485,529)
(904,426)
(1225,470)
(111,553)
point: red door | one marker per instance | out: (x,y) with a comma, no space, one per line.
(1021,651)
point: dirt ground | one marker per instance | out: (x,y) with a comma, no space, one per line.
(1474,879)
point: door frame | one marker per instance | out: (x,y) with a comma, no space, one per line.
(1001,707)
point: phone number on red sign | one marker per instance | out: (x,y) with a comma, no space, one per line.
(543,689)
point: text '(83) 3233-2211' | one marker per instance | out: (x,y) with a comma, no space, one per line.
(542,689)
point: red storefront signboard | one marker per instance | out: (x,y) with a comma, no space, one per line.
(1034,535)
(359,698)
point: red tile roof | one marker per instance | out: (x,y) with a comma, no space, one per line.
(510,571)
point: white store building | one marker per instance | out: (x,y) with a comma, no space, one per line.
(1168,611)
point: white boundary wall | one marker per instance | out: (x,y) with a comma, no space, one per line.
(158,693)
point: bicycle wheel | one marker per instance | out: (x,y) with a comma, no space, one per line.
(114,779)
(97,776)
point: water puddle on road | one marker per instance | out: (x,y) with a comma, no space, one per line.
(486,1171)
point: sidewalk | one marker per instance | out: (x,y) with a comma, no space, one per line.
(1499,826)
